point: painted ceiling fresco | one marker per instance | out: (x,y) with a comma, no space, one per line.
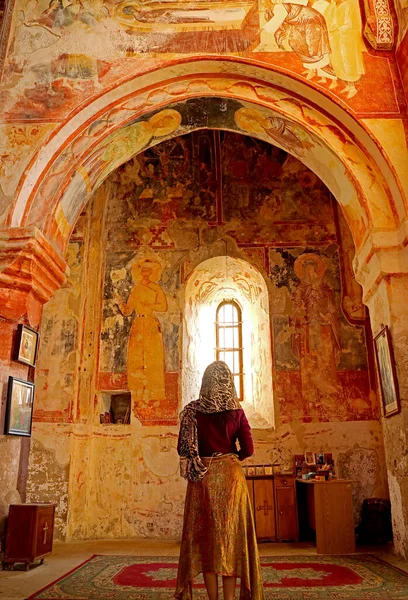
(61,52)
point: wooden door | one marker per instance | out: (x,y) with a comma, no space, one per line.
(264,513)
(286,514)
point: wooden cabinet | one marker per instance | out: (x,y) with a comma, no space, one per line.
(329,513)
(286,509)
(30,530)
(274,506)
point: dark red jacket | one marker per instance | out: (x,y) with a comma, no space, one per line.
(218,432)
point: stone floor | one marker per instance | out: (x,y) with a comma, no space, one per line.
(18,584)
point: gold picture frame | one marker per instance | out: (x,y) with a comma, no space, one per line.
(27,345)
(386,373)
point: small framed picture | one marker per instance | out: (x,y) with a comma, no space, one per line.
(319,458)
(27,345)
(386,373)
(250,471)
(268,470)
(260,470)
(19,409)
(310,458)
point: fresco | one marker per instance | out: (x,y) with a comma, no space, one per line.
(18,143)
(62,51)
(149,226)
(145,353)
(313,337)
(277,213)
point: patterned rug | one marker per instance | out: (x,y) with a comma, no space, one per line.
(354,577)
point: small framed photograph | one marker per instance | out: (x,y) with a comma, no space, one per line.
(250,471)
(260,470)
(268,470)
(319,458)
(310,458)
(27,345)
(19,409)
(386,373)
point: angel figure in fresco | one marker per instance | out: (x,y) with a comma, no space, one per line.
(344,24)
(316,338)
(305,30)
(145,353)
(280,130)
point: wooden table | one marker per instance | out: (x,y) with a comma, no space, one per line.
(329,509)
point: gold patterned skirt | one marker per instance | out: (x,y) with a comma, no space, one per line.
(218,530)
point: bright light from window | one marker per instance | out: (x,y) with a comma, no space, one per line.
(226,317)
(229,341)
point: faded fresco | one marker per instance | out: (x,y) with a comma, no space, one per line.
(60,52)
(132,255)
(58,361)
(164,200)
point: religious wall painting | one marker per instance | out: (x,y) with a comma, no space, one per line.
(115,149)
(166,185)
(188,27)
(18,143)
(57,363)
(314,338)
(276,195)
(145,353)
(62,52)
(353,307)
(135,341)
(325,36)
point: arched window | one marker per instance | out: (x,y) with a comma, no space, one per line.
(229,341)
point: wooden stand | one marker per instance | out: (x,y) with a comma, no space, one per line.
(327,507)
(273,500)
(30,530)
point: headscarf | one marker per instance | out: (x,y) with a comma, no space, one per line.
(217,394)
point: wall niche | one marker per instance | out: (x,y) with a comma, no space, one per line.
(115,408)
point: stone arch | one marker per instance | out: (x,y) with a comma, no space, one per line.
(145,110)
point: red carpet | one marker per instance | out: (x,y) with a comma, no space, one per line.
(285,578)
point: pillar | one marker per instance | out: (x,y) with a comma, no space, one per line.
(30,272)
(382,268)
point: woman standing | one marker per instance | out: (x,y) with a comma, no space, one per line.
(218,532)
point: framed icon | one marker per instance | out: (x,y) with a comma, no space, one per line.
(386,373)
(19,409)
(27,345)
(310,458)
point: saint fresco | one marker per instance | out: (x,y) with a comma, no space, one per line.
(282,219)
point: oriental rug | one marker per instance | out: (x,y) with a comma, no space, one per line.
(354,577)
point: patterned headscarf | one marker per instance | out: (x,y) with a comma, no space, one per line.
(217,394)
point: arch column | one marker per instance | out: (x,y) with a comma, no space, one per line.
(31,271)
(382,269)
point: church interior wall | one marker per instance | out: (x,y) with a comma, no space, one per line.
(56,63)
(172,207)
